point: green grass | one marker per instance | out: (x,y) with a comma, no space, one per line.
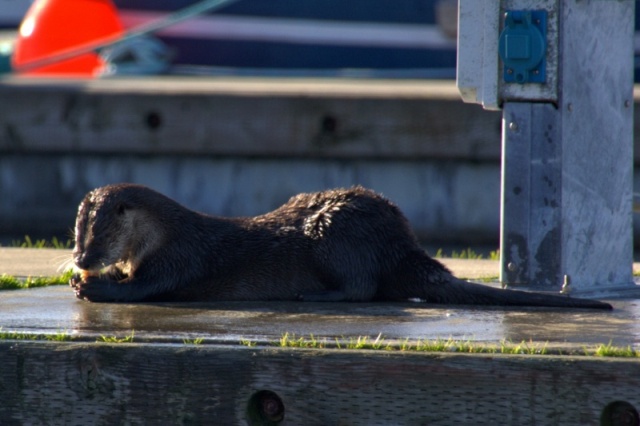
(609,350)
(42,243)
(290,341)
(60,337)
(196,341)
(379,343)
(115,339)
(8,282)
(468,253)
(21,335)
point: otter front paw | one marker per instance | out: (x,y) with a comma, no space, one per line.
(75,280)
(80,277)
(96,290)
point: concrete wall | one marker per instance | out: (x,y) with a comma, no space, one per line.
(244,146)
(41,193)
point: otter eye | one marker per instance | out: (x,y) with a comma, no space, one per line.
(120,208)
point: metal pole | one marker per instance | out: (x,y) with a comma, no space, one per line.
(564,72)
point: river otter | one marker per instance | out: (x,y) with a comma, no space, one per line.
(135,244)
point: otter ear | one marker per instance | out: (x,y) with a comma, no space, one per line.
(120,208)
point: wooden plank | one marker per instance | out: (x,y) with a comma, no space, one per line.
(246,117)
(74,383)
(250,116)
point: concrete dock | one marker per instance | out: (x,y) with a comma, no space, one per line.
(162,378)
(55,309)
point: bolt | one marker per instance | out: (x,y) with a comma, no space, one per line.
(512,267)
(536,72)
(153,120)
(513,126)
(570,107)
(268,407)
(329,124)
(627,103)
(509,71)
(271,407)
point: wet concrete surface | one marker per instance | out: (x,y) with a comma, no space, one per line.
(55,309)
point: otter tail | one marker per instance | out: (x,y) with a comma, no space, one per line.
(425,278)
(463,292)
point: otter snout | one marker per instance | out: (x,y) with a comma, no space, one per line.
(80,260)
(84,260)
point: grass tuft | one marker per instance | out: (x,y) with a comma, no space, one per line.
(115,339)
(195,341)
(8,282)
(609,350)
(379,343)
(467,253)
(61,336)
(504,347)
(42,243)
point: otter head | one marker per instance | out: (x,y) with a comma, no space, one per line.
(112,227)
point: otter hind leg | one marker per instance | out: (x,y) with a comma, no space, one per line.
(349,267)
(349,286)
(416,276)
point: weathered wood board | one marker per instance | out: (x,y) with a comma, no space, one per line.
(245,117)
(341,118)
(100,384)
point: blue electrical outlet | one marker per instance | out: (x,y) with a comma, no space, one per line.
(523,46)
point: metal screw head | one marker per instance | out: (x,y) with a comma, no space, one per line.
(570,107)
(627,103)
(511,266)
(513,126)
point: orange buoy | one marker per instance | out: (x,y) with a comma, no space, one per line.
(52,27)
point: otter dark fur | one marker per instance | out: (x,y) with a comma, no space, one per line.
(135,245)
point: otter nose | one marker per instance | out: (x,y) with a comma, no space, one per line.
(81,260)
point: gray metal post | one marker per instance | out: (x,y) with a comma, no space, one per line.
(567,165)
(531,213)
